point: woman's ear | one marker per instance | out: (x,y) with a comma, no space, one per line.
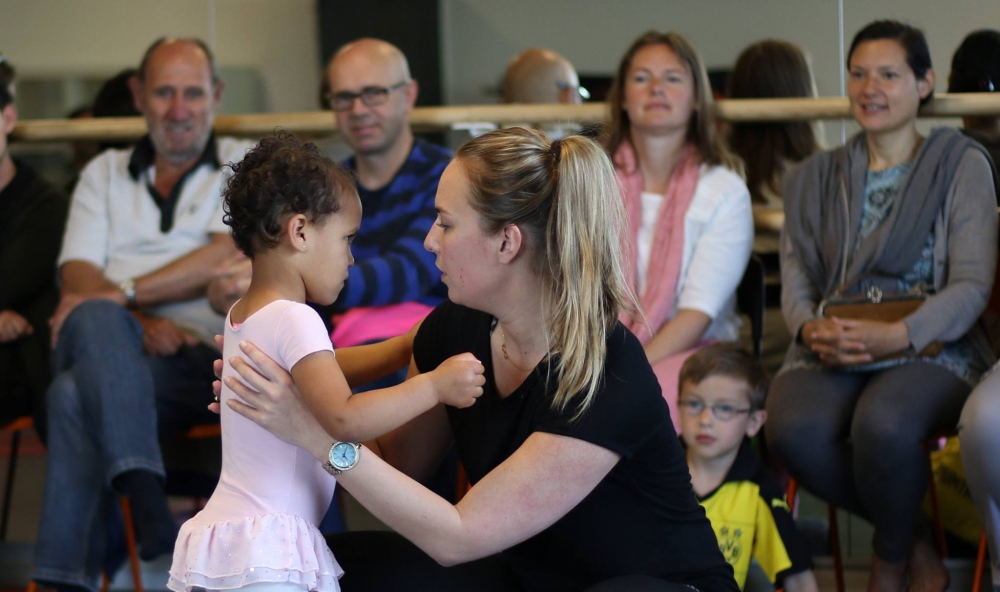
(511,243)
(925,85)
(296,233)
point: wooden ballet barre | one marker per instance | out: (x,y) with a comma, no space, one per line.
(763,110)
(430,118)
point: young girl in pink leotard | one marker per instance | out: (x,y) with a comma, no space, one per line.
(294,212)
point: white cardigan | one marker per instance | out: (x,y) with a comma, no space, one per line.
(718,238)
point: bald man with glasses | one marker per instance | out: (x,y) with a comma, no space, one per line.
(394,281)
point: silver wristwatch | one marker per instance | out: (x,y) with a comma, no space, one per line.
(127,288)
(342,457)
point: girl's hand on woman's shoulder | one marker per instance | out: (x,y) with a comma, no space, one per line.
(459,380)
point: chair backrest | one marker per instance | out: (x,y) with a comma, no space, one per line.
(751,301)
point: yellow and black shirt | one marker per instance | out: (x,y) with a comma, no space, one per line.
(751,518)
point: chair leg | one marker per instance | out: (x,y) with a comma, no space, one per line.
(105,581)
(792,497)
(133,549)
(8,491)
(838,560)
(977,577)
(33,587)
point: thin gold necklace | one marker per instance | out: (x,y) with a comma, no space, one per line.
(503,349)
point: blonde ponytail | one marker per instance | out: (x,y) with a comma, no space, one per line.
(565,197)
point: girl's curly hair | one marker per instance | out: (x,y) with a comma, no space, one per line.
(278,178)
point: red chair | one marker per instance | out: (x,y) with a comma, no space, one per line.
(939,535)
(16,427)
(201,432)
(977,577)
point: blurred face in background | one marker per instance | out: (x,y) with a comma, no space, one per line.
(658,93)
(8,119)
(178,98)
(371,95)
(883,90)
(8,112)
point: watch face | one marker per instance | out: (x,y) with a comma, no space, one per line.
(343,456)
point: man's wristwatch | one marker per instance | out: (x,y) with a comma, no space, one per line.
(127,288)
(342,457)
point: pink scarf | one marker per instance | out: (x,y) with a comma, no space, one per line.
(667,252)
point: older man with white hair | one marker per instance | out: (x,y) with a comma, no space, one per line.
(133,330)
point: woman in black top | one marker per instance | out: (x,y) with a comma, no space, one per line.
(579,482)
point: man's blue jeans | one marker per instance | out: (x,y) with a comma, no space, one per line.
(108,405)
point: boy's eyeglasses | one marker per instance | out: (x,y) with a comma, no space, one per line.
(721,411)
(371,96)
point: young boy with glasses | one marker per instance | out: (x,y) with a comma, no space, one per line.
(721,404)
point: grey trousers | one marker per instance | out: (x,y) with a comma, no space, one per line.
(979,432)
(855,439)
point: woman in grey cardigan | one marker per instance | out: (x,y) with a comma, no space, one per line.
(895,211)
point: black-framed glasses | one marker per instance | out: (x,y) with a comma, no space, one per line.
(721,411)
(584,93)
(371,96)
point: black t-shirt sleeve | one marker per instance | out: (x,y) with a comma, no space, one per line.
(425,345)
(627,409)
(449,330)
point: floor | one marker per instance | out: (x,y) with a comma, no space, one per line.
(15,552)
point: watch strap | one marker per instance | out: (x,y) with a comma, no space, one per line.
(127,288)
(330,468)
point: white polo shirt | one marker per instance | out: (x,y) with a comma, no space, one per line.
(116,223)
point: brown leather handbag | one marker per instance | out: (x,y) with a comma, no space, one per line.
(876,306)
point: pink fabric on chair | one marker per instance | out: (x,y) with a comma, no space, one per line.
(375,323)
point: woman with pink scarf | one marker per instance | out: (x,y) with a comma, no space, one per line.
(689,212)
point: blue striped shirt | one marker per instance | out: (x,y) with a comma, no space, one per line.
(391,264)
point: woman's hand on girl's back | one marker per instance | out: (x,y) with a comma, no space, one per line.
(271,400)
(459,380)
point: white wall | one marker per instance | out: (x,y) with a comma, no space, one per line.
(481,35)
(279,38)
